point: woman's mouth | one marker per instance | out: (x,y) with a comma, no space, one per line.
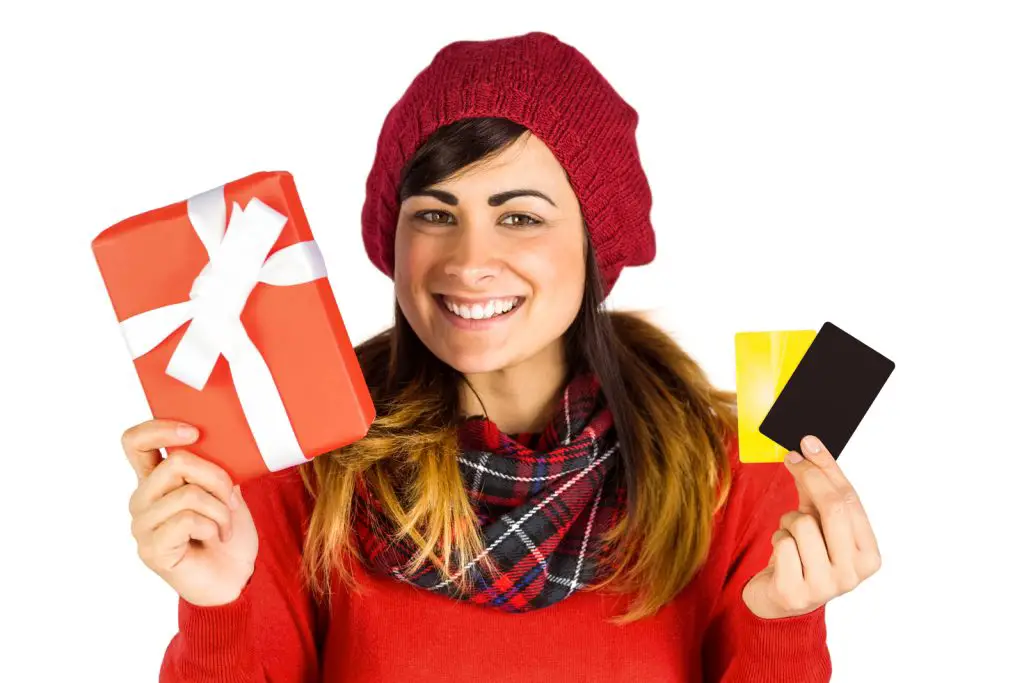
(478,314)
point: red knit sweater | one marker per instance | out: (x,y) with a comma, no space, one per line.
(274,633)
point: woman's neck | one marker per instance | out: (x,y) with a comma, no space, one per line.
(519,398)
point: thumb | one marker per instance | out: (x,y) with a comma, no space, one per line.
(797,465)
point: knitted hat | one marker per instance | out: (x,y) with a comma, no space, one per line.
(552,89)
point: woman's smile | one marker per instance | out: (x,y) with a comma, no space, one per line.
(478,314)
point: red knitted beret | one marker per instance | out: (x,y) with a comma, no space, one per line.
(552,89)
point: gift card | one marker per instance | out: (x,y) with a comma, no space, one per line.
(828,393)
(764,363)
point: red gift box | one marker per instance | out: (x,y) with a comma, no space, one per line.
(224,303)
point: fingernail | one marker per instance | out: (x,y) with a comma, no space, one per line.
(793,457)
(187,431)
(812,444)
(235,499)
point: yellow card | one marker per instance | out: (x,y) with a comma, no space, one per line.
(764,363)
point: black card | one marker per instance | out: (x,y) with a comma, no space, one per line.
(828,393)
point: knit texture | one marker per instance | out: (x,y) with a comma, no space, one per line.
(551,88)
(391,631)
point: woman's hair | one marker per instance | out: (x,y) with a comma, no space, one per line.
(671,423)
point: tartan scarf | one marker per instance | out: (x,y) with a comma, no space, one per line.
(543,502)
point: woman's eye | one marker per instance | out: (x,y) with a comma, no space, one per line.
(530,220)
(427,216)
(519,220)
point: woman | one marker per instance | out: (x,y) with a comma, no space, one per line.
(551,491)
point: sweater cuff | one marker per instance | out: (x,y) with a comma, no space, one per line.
(216,646)
(798,638)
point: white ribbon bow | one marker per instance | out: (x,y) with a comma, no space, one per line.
(237,261)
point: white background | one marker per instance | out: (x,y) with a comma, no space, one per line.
(861,163)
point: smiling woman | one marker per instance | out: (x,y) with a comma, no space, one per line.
(493,244)
(540,466)
(437,371)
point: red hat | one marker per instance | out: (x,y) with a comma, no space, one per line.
(552,89)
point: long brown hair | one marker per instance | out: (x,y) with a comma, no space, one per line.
(670,422)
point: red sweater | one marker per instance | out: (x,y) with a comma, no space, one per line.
(274,633)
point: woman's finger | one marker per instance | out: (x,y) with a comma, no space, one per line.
(812,484)
(188,497)
(814,450)
(142,443)
(173,534)
(836,518)
(180,468)
(817,569)
(819,465)
(863,534)
(787,574)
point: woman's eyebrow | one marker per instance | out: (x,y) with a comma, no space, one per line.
(502,197)
(493,200)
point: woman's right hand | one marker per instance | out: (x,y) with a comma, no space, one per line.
(191,525)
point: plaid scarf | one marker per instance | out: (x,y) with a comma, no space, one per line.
(543,502)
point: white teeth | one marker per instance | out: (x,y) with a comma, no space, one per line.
(481,311)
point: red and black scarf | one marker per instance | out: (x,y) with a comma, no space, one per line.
(543,501)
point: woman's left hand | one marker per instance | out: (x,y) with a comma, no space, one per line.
(822,549)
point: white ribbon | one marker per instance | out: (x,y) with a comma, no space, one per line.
(237,261)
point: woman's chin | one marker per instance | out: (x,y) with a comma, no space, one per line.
(476,363)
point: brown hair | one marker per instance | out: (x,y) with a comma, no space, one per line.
(670,422)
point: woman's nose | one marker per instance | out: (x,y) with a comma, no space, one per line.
(474,255)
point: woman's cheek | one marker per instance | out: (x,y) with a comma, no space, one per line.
(412,260)
(557,265)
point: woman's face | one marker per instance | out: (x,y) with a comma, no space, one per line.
(473,244)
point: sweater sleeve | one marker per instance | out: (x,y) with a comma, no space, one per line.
(270,633)
(739,646)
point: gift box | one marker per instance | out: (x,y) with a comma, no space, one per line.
(225,306)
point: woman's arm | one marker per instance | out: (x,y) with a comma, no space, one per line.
(269,634)
(739,646)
